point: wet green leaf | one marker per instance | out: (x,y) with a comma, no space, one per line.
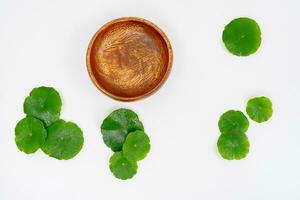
(242,36)
(121,167)
(259,109)
(233,122)
(43,103)
(64,141)
(233,146)
(30,134)
(136,146)
(117,125)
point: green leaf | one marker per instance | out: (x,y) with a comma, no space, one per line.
(233,122)
(259,109)
(116,127)
(30,134)
(64,141)
(43,103)
(121,167)
(242,36)
(233,146)
(136,146)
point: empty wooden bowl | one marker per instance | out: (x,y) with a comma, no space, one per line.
(129,58)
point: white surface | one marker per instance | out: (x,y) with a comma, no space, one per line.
(44,43)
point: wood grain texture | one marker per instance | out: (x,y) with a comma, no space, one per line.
(129,58)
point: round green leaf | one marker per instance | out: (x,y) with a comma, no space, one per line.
(233,122)
(64,141)
(242,36)
(121,167)
(30,134)
(43,103)
(233,146)
(259,109)
(116,127)
(136,146)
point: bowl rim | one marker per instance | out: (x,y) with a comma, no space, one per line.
(148,93)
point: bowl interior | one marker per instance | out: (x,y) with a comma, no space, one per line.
(129,59)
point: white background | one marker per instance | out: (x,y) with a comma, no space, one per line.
(45,42)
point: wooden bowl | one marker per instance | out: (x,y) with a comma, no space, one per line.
(129,58)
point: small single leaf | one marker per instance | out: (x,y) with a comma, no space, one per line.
(43,103)
(259,109)
(233,122)
(242,36)
(30,134)
(121,167)
(64,141)
(136,146)
(233,146)
(116,127)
